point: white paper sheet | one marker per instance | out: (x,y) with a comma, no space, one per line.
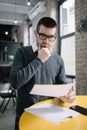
(51,90)
(53,113)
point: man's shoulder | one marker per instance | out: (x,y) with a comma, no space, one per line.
(57,56)
(25,49)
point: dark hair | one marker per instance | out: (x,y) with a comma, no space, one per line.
(47,22)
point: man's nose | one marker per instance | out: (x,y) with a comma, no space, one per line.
(47,40)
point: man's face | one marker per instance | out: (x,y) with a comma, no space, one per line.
(45,36)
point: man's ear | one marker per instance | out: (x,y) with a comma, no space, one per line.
(35,32)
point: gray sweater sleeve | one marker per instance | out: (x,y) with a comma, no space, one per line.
(61,77)
(23,69)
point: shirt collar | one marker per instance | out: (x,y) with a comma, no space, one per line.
(34,47)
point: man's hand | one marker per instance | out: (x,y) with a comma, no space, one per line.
(44,54)
(70,97)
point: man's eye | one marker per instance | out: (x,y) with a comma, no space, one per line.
(51,36)
(42,35)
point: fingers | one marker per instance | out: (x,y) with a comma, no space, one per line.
(44,54)
(68,99)
(72,91)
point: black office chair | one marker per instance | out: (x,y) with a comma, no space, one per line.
(7,93)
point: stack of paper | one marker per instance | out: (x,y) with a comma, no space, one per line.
(53,113)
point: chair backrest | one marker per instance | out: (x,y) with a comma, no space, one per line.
(5,88)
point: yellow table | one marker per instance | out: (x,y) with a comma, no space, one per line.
(29,121)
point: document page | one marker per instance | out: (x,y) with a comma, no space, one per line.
(52,113)
(51,90)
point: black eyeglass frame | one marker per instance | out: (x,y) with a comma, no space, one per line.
(43,36)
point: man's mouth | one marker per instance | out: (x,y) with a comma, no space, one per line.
(43,46)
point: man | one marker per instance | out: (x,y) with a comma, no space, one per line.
(39,67)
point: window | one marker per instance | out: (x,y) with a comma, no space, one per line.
(68,54)
(66,20)
(67,17)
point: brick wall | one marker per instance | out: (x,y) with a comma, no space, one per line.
(81,49)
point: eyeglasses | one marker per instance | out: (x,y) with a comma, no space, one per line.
(43,36)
